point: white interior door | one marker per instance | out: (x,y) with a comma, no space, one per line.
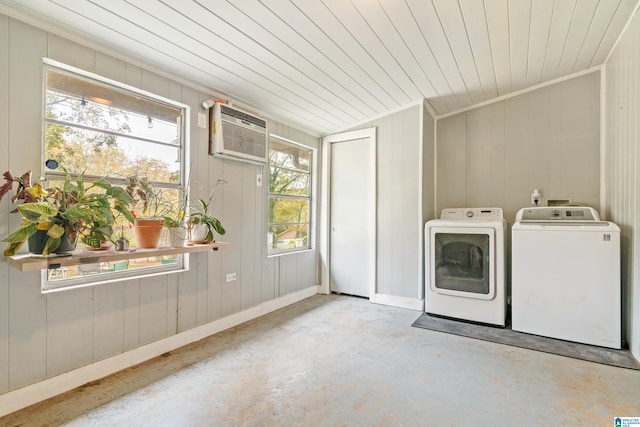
(351,213)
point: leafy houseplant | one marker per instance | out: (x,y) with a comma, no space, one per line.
(200,217)
(69,211)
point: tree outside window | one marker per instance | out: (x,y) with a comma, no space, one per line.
(104,129)
(289,196)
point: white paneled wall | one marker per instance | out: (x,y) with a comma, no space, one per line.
(548,139)
(45,335)
(400,179)
(622,104)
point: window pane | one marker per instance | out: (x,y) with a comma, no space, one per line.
(91,103)
(288,237)
(289,156)
(285,181)
(101,154)
(105,270)
(285,210)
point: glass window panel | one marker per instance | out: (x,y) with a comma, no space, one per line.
(285,181)
(287,210)
(288,236)
(289,156)
(100,154)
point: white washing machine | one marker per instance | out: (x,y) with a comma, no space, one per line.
(465,265)
(565,275)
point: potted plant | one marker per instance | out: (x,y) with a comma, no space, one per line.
(148,224)
(202,225)
(55,218)
(176,229)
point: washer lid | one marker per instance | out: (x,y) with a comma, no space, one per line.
(473,214)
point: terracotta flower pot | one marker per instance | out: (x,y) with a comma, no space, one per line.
(147,232)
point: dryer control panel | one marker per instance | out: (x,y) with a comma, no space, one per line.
(472,213)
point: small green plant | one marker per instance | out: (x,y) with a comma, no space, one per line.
(200,216)
(73,208)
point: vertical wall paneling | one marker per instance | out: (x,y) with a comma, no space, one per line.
(248,235)
(260,239)
(622,162)
(153,308)
(70,53)
(427,170)
(516,128)
(451,158)
(4,204)
(172,305)
(232,220)
(131,314)
(411,199)
(27,307)
(108,321)
(69,330)
(548,139)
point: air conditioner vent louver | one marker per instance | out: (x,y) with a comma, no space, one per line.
(237,134)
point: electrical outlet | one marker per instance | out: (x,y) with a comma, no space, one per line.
(231,277)
(258,180)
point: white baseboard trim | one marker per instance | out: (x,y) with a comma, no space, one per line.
(401,302)
(45,389)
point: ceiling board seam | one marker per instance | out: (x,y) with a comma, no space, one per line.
(546,45)
(76,37)
(493,63)
(455,59)
(433,55)
(328,89)
(320,119)
(277,56)
(510,56)
(624,29)
(526,69)
(566,39)
(347,54)
(466,32)
(230,72)
(331,60)
(388,51)
(395,27)
(593,17)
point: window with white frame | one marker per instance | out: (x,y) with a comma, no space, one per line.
(104,129)
(290,172)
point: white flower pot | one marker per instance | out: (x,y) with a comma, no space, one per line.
(198,233)
(177,236)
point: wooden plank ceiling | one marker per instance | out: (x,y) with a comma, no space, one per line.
(325,65)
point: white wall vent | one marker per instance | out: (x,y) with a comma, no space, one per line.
(236,134)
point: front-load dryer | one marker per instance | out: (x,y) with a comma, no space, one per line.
(465,265)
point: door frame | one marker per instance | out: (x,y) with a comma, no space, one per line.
(324,246)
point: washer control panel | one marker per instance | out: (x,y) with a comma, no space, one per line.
(572,213)
(472,213)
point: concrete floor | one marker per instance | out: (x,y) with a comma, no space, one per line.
(342,361)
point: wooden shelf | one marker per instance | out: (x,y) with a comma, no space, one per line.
(31,262)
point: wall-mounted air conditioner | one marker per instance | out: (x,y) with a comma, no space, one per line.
(236,134)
